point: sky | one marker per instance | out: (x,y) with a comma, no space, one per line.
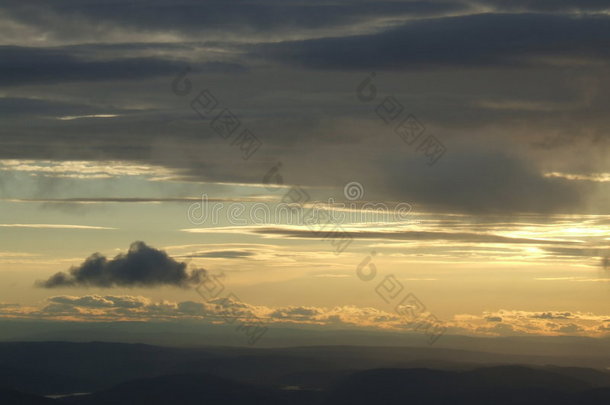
(346,164)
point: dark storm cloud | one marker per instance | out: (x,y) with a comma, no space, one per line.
(21,65)
(141,266)
(500,40)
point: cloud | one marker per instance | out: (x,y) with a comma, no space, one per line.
(65,20)
(224,254)
(296,313)
(480,40)
(569,328)
(225,309)
(55,226)
(141,266)
(17,106)
(553,315)
(97,301)
(515,322)
(483,181)
(24,65)
(404,235)
(547,5)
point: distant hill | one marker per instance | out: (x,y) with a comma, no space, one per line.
(189,389)
(497,385)
(40,382)
(117,373)
(564,350)
(13,397)
(494,385)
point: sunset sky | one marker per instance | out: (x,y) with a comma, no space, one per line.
(480,126)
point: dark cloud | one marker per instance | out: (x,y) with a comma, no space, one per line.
(552,315)
(17,106)
(196,16)
(296,313)
(224,254)
(481,40)
(410,235)
(21,65)
(605,262)
(479,181)
(101,200)
(311,120)
(141,266)
(547,5)
(575,252)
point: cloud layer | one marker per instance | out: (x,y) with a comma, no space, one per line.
(225,310)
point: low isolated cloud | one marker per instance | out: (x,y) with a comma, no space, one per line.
(141,266)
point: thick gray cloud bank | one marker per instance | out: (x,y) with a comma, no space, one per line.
(24,65)
(517,91)
(481,40)
(141,266)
